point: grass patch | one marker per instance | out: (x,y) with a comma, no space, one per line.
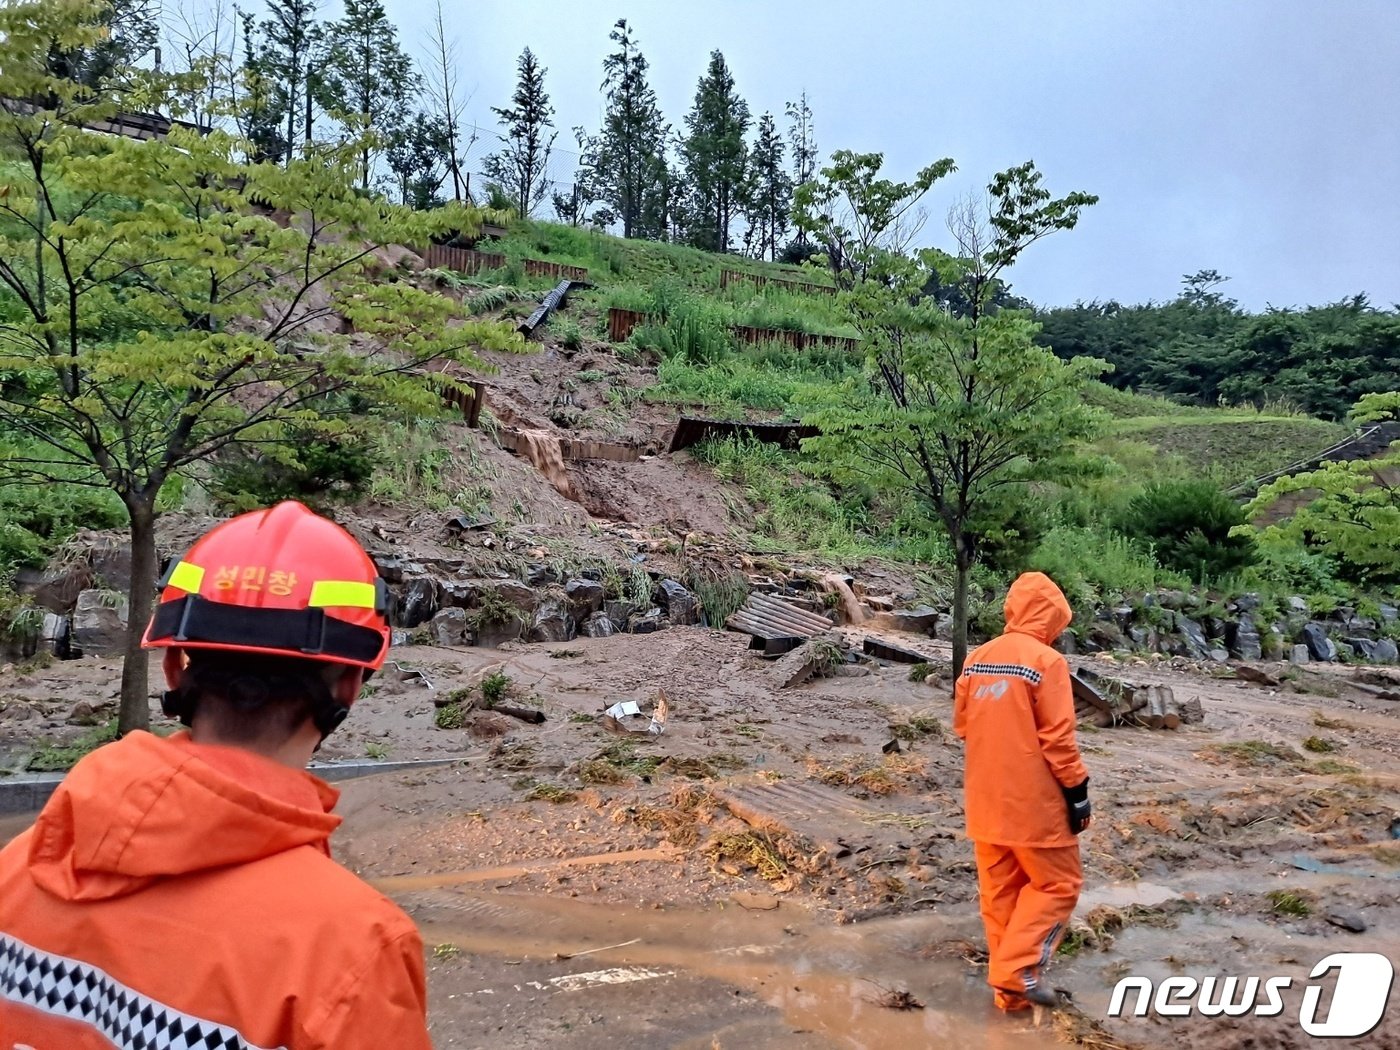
(919,727)
(1331,767)
(1258,754)
(721,595)
(749,850)
(883,777)
(52,757)
(1289,902)
(1323,721)
(1319,745)
(920,672)
(377,751)
(446,951)
(617,763)
(550,793)
(450,716)
(1097,929)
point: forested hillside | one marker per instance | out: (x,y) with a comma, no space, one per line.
(1201,348)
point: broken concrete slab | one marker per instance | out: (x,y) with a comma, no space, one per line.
(883,649)
(919,620)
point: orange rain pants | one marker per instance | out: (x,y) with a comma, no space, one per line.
(1028,895)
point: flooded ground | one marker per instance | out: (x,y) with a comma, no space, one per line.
(771,871)
(757,972)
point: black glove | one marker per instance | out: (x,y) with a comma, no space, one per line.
(1077,799)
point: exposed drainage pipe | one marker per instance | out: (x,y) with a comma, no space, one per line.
(554,299)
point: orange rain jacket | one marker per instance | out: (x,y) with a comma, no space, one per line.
(177,895)
(1014,708)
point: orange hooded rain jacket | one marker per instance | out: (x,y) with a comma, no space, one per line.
(173,895)
(1014,708)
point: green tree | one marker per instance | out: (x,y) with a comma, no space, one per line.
(629,152)
(261,113)
(153,311)
(573,206)
(1349,511)
(447,102)
(278,57)
(715,156)
(803,139)
(768,193)
(129,31)
(953,410)
(857,219)
(528,140)
(365,77)
(1191,525)
(418,155)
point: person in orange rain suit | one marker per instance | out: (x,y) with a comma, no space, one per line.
(1026,789)
(179,893)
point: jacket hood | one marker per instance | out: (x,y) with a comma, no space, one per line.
(1035,606)
(144,808)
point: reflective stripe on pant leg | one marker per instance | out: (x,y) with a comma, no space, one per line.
(1043,909)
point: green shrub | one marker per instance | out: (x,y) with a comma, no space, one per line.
(686,334)
(36,519)
(450,716)
(569,333)
(493,688)
(1089,564)
(1189,525)
(313,467)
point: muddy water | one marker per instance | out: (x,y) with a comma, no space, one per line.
(823,980)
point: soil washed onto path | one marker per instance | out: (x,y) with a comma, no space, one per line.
(772,873)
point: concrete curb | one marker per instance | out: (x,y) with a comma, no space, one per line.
(27,792)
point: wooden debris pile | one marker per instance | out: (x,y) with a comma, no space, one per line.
(1106,702)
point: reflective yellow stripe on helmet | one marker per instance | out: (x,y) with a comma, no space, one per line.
(186,577)
(343,593)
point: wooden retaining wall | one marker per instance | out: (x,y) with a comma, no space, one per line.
(576,449)
(622,322)
(468,261)
(728,277)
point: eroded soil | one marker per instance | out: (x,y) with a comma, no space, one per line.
(583,888)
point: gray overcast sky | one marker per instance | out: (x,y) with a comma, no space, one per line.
(1260,138)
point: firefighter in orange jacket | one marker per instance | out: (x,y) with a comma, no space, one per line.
(1026,789)
(179,892)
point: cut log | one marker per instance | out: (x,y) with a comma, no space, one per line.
(1154,712)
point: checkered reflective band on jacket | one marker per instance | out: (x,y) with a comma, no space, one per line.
(1030,674)
(80,992)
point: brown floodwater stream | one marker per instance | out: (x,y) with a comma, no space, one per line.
(825,981)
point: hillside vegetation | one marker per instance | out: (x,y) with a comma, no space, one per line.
(686,360)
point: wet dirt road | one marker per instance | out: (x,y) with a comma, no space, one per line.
(515,971)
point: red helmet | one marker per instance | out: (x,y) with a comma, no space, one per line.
(283,581)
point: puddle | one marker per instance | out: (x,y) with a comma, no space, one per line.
(407,883)
(1126,895)
(823,980)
